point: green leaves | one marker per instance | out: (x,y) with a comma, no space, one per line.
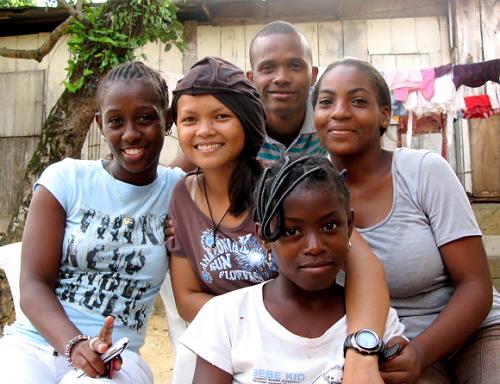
(74,87)
(114,31)
(16,3)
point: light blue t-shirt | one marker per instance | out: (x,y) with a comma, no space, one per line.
(113,258)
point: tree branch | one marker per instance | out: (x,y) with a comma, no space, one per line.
(39,53)
(75,12)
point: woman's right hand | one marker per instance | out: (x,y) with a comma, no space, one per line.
(405,367)
(86,355)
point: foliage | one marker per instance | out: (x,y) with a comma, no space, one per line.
(16,3)
(112,40)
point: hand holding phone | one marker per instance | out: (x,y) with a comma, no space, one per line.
(113,351)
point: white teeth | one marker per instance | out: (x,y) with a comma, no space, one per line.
(133,151)
(208,147)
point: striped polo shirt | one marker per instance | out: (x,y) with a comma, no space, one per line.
(306,142)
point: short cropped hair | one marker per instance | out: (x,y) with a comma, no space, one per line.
(283,28)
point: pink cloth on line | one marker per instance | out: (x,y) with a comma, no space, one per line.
(427,87)
(402,82)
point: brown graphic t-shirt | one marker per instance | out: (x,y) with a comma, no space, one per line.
(236,261)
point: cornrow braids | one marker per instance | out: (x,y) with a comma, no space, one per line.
(278,181)
(135,70)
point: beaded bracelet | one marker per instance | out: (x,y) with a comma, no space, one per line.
(71,343)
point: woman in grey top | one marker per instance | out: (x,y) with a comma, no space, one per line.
(412,210)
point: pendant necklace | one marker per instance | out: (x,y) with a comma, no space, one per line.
(215,227)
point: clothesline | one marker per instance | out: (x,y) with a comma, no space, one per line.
(440,89)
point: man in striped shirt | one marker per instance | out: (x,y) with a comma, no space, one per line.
(283,73)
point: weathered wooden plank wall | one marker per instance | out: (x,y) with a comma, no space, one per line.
(388,43)
(405,42)
(477,29)
(29,89)
(23,100)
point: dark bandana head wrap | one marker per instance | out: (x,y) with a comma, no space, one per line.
(227,83)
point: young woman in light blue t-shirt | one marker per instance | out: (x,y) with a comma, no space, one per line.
(93,255)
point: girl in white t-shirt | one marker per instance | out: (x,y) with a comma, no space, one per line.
(290,329)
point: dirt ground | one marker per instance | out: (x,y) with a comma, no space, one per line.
(157,350)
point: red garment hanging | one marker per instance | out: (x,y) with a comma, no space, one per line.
(428,123)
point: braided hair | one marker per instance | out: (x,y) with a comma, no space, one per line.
(278,181)
(135,70)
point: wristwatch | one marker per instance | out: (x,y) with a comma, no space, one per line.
(364,341)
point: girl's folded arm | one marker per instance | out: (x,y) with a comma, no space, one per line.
(188,293)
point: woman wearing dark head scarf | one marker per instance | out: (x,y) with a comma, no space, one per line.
(220,122)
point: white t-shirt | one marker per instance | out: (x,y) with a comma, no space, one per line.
(236,333)
(113,257)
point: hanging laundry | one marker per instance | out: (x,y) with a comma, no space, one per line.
(477,107)
(428,123)
(402,82)
(475,75)
(427,86)
(442,70)
(415,93)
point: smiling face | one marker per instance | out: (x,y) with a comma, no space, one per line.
(314,244)
(348,115)
(282,72)
(133,123)
(210,134)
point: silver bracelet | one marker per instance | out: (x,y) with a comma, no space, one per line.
(71,343)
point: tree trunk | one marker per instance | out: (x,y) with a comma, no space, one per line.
(6,305)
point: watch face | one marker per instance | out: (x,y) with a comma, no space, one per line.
(366,340)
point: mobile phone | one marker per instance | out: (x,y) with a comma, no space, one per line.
(391,352)
(113,351)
